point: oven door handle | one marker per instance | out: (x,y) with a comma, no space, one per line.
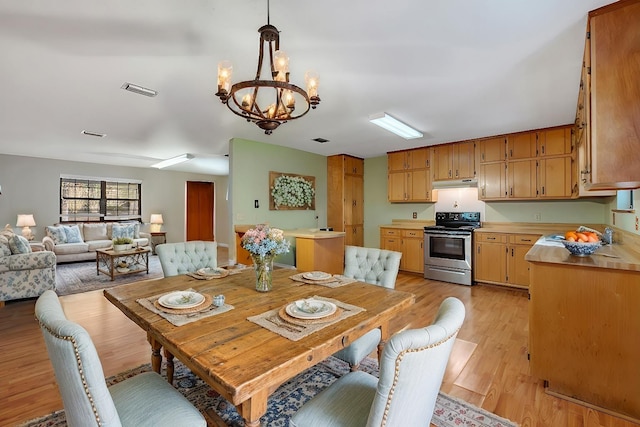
(462,273)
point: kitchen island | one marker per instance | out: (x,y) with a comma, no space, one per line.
(314,249)
(584,324)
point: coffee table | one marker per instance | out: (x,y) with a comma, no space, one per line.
(107,260)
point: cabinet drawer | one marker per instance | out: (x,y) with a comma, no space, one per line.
(413,233)
(523,239)
(490,237)
(391,232)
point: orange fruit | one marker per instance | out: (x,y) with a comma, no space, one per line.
(570,239)
(581,237)
(593,237)
(571,234)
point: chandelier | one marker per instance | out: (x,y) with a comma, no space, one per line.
(269,102)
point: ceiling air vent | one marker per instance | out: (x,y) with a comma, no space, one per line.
(139,89)
(320,140)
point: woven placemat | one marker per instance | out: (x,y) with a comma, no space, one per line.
(205,304)
(183,318)
(304,322)
(335,281)
(272,321)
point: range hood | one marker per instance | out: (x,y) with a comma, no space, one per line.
(456,183)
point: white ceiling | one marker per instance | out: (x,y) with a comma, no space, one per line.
(454,69)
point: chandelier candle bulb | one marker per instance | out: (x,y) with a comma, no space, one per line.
(225,70)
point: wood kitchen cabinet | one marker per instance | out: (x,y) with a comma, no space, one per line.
(492,168)
(409,176)
(613,91)
(554,177)
(522,146)
(493,149)
(345,197)
(499,258)
(454,161)
(410,242)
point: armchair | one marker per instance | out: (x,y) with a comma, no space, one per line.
(143,400)
(375,266)
(411,371)
(187,257)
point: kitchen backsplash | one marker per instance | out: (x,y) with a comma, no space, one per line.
(460,200)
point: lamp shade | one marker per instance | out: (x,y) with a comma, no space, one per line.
(156,219)
(25,220)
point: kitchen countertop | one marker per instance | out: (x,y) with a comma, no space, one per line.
(305,233)
(618,256)
(408,224)
(531,228)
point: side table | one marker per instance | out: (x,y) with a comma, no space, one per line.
(36,246)
(157,238)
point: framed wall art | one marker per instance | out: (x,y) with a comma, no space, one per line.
(291,191)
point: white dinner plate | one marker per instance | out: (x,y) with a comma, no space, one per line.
(181,299)
(310,309)
(212,272)
(316,275)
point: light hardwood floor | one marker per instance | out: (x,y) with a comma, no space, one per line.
(488,367)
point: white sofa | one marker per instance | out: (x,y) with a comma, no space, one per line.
(71,245)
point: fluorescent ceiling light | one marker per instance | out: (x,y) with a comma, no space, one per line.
(139,89)
(173,161)
(393,125)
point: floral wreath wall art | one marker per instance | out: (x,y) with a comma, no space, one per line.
(290,191)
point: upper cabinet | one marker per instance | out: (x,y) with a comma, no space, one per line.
(612,96)
(454,161)
(345,197)
(409,177)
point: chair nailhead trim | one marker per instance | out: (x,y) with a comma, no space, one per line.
(80,368)
(397,372)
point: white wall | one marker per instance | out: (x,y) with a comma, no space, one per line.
(32,185)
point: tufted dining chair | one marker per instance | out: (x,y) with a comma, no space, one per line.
(143,400)
(411,371)
(375,266)
(187,257)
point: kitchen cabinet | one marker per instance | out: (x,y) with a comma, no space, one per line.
(454,161)
(407,241)
(345,197)
(522,145)
(554,142)
(492,149)
(492,181)
(409,177)
(500,258)
(612,94)
(554,177)
(583,327)
(522,179)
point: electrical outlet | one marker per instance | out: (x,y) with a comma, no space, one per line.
(537,216)
(415,216)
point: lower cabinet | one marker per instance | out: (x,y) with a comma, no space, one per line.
(407,241)
(499,258)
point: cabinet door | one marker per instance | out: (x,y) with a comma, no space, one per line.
(522,179)
(353,165)
(412,255)
(355,185)
(418,159)
(354,234)
(554,177)
(490,262)
(396,161)
(396,186)
(391,243)
(464,160)
(419,185)
(518,267)
(492,181)
(522,145)
(554,142)
(442,162)
(493,150)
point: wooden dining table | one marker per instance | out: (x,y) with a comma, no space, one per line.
(242,360)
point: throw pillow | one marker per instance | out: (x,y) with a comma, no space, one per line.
(19,245)
(57,234)
(5,250)
(127,230)
(95,231)
(72,233)
(7,231)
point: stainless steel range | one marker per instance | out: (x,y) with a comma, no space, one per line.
(448,247)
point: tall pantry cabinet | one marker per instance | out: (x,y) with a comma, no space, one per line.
(345,197)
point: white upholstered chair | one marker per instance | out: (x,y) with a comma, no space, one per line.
(143,400)
(375,266)
(187,257)
(411,371)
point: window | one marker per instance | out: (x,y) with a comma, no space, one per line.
(99,199)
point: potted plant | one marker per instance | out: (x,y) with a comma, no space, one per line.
(121,243)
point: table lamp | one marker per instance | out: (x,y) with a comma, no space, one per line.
(156,222)
(25,221)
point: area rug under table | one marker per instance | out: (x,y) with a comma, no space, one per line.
(285,401)
(76,277)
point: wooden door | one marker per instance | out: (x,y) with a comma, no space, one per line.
(554,176)
(493,150)
(522,145)
(396,183)
(554,142)
(442,157)
(396,161)
(200,210)
(493,181)
(490,262)
(412,255)
(418,159)
(518,267)
(419,183)
(464,160)
(522,179)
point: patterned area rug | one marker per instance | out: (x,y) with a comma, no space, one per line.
(286,400)
(76,277)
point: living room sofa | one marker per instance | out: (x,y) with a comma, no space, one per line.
(23,274)
(78,242)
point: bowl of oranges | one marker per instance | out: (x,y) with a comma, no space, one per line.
(581,242)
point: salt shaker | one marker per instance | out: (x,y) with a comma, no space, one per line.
(607,237)
(218,300)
